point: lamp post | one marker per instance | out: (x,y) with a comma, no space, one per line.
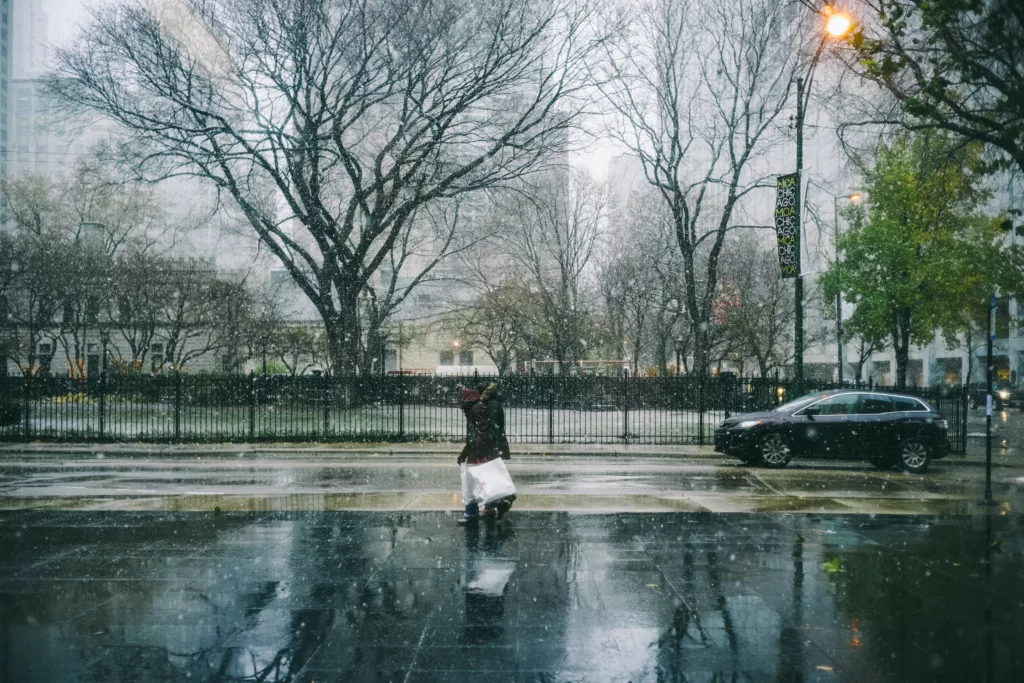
(855,198)
(105,341)
(679,350)
(837,25)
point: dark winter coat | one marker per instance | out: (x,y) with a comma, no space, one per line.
(478,448)
(495,403)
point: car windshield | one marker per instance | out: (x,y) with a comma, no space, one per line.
(799,403)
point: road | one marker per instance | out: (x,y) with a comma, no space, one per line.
(214,479)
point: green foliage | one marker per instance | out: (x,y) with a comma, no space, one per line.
(924,257)
(953,64)
(833,566)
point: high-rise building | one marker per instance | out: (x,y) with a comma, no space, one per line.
(5,78)
(29,39)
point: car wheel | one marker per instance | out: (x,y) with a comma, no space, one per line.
(914,455)
(773,451)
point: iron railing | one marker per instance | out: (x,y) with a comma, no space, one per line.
(177,407)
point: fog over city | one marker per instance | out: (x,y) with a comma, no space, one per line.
(512,340)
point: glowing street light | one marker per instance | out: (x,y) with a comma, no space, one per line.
(838,25)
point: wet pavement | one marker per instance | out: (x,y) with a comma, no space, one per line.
(537,596)
(240,482)
(232,566)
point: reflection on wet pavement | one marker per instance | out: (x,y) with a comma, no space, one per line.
(578,484)
(538,596)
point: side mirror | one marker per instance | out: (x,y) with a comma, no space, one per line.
(812,411)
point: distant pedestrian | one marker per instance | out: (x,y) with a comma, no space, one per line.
(485,441)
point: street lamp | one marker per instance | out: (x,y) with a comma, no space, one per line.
(853,198)
(679,351)
(837,26)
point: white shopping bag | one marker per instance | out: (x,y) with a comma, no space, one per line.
(491,482)
(489,576)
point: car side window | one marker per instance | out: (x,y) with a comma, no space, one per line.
(874,404)
(844,404)
(907,405)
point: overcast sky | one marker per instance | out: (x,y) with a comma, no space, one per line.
(63,14)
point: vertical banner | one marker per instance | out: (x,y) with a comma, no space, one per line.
(787,223)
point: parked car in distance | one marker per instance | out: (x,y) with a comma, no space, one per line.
(1004,395)
(887,430)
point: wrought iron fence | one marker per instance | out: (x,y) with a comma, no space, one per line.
(539,409)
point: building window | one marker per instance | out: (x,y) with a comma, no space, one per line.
(1002,321)
(881,372)
(949,371)
(447,358)
(465,357)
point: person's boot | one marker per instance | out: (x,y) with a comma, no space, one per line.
(505,505)
(471,513)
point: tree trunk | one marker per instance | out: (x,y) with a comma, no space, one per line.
(700,350)
(969,370)
(901,347)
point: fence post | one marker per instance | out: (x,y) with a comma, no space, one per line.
(964,399)
(103,404)
(26,404)
(251,382)
(326,391)
(551,409)
(625,409)
(401,407)
(700,410)
(177,405)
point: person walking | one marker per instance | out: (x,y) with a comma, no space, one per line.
(492,398)
(485,441)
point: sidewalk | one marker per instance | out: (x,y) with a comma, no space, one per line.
(1001,457)
(343,450)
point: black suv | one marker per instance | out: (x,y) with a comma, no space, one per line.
(1004,395)
(885,429)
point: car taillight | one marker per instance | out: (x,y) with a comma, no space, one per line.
(941,423)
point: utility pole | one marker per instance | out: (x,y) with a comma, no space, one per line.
(798,286)
(988,403)
(838,25)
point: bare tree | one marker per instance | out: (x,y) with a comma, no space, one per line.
(499,322)
(651,239)
(438,233)
(757,306)
(67,233)
(295,347)
(697,89)
(202,314)
(630,303)
(550,234)
(865,348)
(332,123)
